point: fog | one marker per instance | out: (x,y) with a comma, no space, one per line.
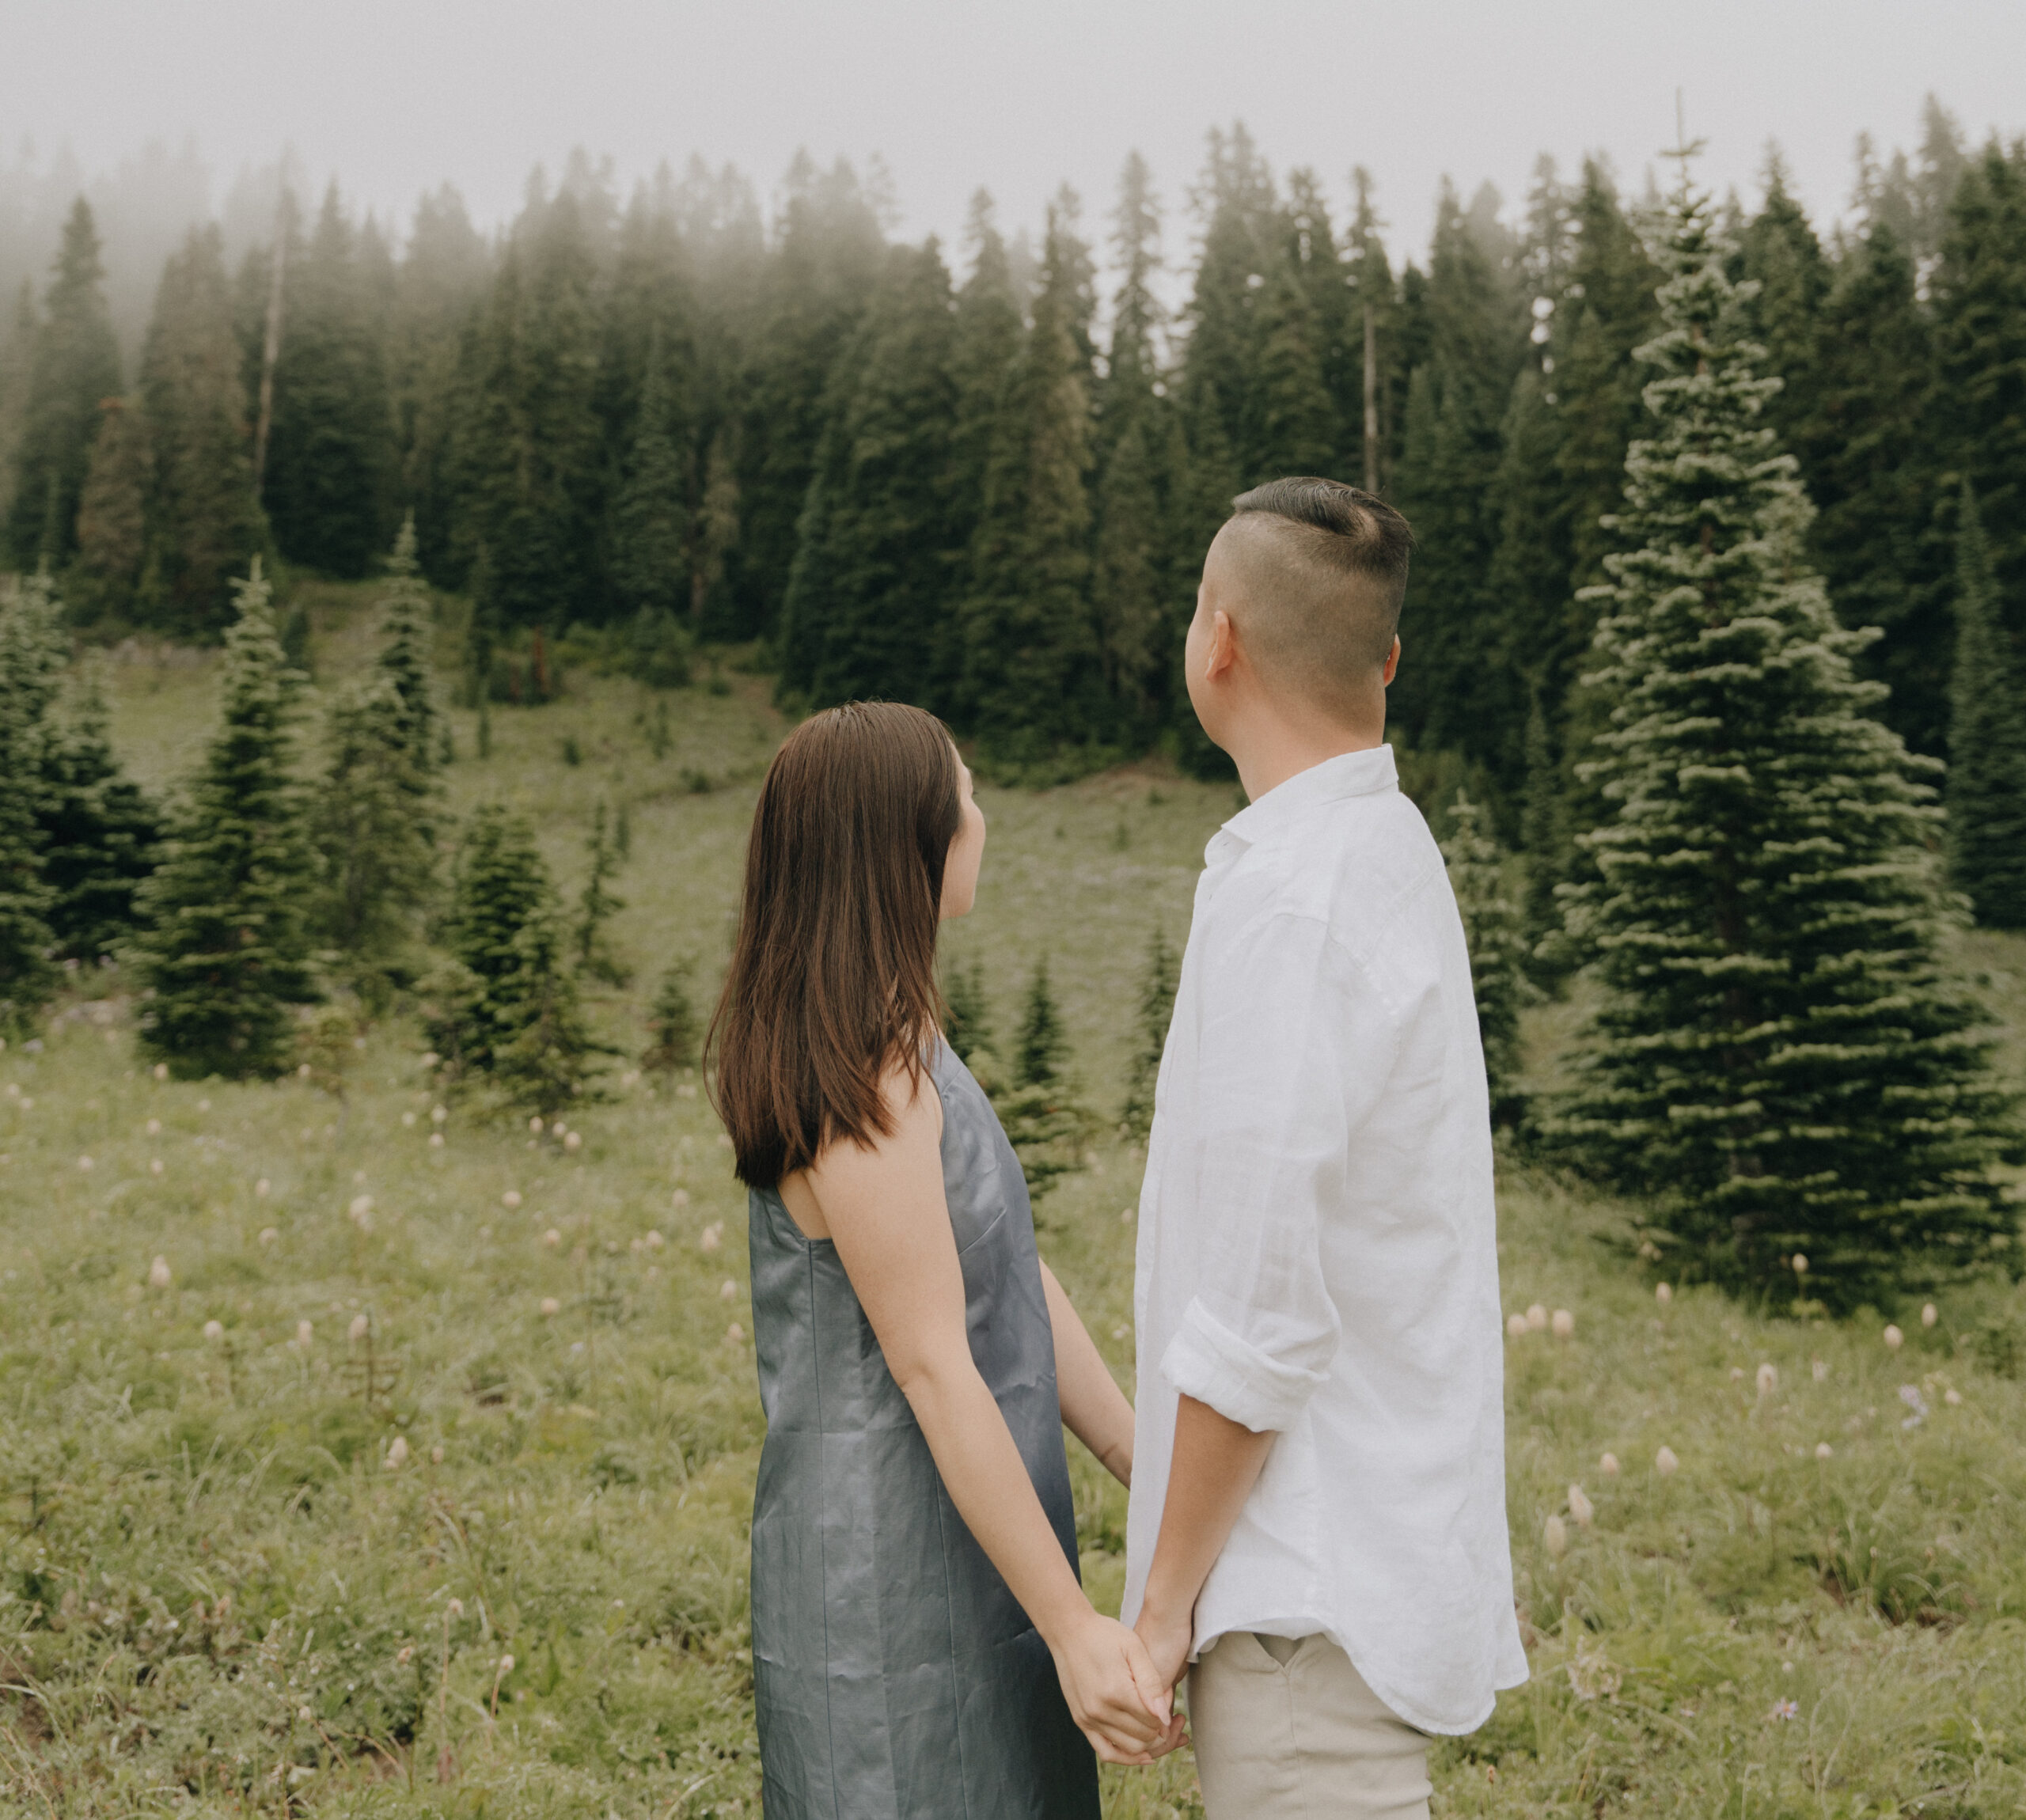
(391,99)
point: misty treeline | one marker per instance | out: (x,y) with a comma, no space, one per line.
(982,477)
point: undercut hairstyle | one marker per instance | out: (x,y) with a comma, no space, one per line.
(832,974)
(1322,569)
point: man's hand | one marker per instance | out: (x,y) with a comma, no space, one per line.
(1167,1638)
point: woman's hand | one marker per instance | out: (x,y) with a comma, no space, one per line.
(1118,1701)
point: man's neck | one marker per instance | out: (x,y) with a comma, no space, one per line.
(1268,755)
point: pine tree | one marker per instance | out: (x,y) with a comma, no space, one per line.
(32,656)
(1986,740)
(505,1016)
(74,364)
(1494,930)
(100,832)
(1157,990)
(203,524)
(1781,1062)
(674,1032)
(1044,1119)
(1544,839)
(112,512)
(967,1020)
(649,517)
(227,958)
(414,721)
(17,365)
(598,905)
(330,470)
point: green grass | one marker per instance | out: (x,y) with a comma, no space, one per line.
(203,1539)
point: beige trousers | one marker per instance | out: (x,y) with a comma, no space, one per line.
(1286,1731)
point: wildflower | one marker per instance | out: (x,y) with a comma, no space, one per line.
(573,1140)
(654,1242)
(1894,1338)
(1607,1464)
(724,1140)
(161,1071)
(1537,1318)
(260,1189)
(158,1275)
(303,1331)
(1784,1709)
(397,1454)
(1823,1450)
(154,1128)
(1737,1374)
(436,1140)
(714,1235)
(1664,1463)
(1564,1324)
(729,1292)
(1929,1314)
(436,1454)
(154,1166)
(303,1714)
(551,1238)
(454,1609)
(1801,1264)
(534,1124)
(735,1333)
(1910,1395)
(269,1234)
(302,1071)
(511,1198)
(438,1114)
(404,1655)
(1663,1295)
(638,1246)
(407,1119)
(362,1205)
(1769,1380)
(1580,1508)
(215,1331)
(1554,1533)
(357,1331)
(204,1105)
(1515,1328)
(1819,1369)
(680,1198)
(1952,1396)
(430,1058)
(550,1306)
(85,1163)
(506,1665)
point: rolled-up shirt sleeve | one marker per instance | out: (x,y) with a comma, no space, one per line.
(1295,1045)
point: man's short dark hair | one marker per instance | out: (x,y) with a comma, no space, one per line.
(1324,569)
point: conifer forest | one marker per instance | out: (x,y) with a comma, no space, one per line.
(396,620)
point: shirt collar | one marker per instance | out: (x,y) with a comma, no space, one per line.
(1349,774)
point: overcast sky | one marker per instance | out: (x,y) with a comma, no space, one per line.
(393,96)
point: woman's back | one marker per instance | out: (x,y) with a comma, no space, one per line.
(894,1673)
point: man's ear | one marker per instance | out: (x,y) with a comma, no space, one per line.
(1222,651)
(1392,664)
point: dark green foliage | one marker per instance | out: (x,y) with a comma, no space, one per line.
(1987,740)
(1493,926)
(330,472)
(597,905)
(100,832)
(674,1032)
(1544,839)
(1781,1061)
(1042,1051)
(112,513)
(650,516)
(227,958)
(1157,989)
(32,655)
(1045,1118)
(415,727)
(203,525)
(967,1014)
(74,363)
(506,1018)
(660,651)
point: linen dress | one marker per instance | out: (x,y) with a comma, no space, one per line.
(895,1676)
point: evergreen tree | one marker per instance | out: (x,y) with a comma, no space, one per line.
(100,833)
(1987,740)
(74,364)
(203,525)
(598,905)
(650,519)
(967,1015)
(675,1035)
(1030,681)
(1494,928)
(32,655)
(226,959)
(1781,1062)
(1157,990)
(1044,1120)
(372,836)
(506,1015)
(1544,839)
(112,512)
(330,468)
(1782,255)
(17,365)
(416,726)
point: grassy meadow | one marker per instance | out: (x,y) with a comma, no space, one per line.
(363,1457)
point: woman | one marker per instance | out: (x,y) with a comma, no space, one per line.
(921,1644)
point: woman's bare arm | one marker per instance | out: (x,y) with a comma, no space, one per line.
(885,1210)
(1093,1406)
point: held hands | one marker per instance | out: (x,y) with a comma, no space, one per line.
(1118,1701)
(1166,1637)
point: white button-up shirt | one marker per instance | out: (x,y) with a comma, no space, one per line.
(1316,1249)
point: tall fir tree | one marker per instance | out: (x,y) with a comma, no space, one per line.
(32,655)
(112,513)
(331,454)
(227,957)
(650,511)
(675,1034)
(407,664)
(1782,1062)
(1986,740)
(598,904)
(1494,928)
(17,365)
(1156,1012)
(100,832)
(967,1015)
(1046,1120)
(203,524)
(74,364)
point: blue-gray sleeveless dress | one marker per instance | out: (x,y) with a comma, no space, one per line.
(895,1676)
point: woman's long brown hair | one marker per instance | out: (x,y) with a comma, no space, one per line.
(832,977)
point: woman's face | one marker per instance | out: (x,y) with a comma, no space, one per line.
(960,871)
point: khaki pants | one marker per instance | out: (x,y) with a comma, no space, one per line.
(1289,1731)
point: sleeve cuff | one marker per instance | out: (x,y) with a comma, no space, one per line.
(1207,1361)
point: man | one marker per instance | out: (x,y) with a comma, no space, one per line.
(1317,1515)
